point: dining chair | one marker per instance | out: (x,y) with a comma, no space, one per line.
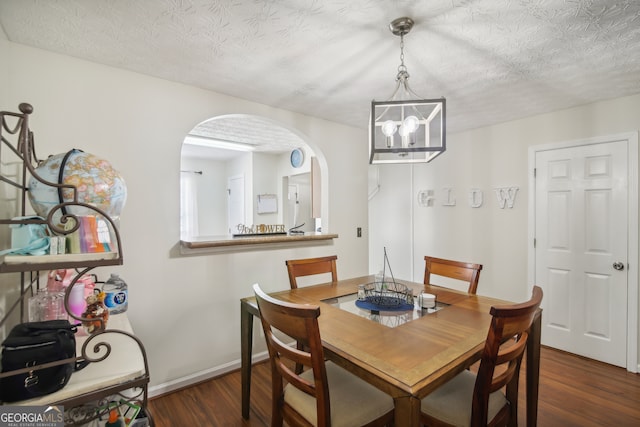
(324,395)
(463,271)
(311,266)
(471,399)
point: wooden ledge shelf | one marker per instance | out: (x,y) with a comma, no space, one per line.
(229,243)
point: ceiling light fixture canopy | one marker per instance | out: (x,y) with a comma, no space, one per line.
(406,129)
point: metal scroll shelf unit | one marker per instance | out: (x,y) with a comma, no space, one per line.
(118,369)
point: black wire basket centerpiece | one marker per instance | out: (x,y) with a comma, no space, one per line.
(386,293)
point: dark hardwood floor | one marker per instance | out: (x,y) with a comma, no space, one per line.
(574,391)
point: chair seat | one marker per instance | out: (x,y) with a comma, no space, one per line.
(452,402)
(353,401)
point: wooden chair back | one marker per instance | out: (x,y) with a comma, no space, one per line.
(464,271)
(301,323)
(501,359)
(310,266)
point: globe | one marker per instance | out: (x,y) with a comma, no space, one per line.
(98,184)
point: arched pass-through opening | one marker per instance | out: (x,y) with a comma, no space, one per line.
(239,172)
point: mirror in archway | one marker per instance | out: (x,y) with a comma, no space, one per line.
(243,171)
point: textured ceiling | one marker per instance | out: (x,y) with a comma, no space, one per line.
(494,60)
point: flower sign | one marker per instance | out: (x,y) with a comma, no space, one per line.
(259,230)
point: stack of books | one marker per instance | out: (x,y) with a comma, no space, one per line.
(92,236)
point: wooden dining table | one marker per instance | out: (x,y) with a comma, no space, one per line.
(407,356)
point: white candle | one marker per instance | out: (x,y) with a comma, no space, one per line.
(427,300)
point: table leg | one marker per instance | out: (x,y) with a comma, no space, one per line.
(533,369)
(246,344)
(407,411)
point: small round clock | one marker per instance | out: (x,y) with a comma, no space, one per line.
(297,158)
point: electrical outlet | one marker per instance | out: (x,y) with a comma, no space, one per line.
(359,231)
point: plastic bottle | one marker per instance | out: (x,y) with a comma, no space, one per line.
(114,420)
(117,295)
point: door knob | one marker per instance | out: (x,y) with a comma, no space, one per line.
(618,266)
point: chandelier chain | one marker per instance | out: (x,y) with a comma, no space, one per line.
(403,73)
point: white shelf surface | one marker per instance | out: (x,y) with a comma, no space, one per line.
(125,363)
(61,258)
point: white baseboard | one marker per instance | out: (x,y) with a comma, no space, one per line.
(168,387)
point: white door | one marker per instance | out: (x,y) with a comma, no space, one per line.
(235,202)
(581,255)
(299,203)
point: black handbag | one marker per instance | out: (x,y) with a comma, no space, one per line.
(35,343)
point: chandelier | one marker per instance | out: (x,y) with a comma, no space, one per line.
(406,129)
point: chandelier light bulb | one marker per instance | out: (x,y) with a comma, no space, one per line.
(404,132)
(388,129)
(411,123)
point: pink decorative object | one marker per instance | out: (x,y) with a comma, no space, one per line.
(77,302)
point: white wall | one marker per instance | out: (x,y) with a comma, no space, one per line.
(184,308)
(485,158)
